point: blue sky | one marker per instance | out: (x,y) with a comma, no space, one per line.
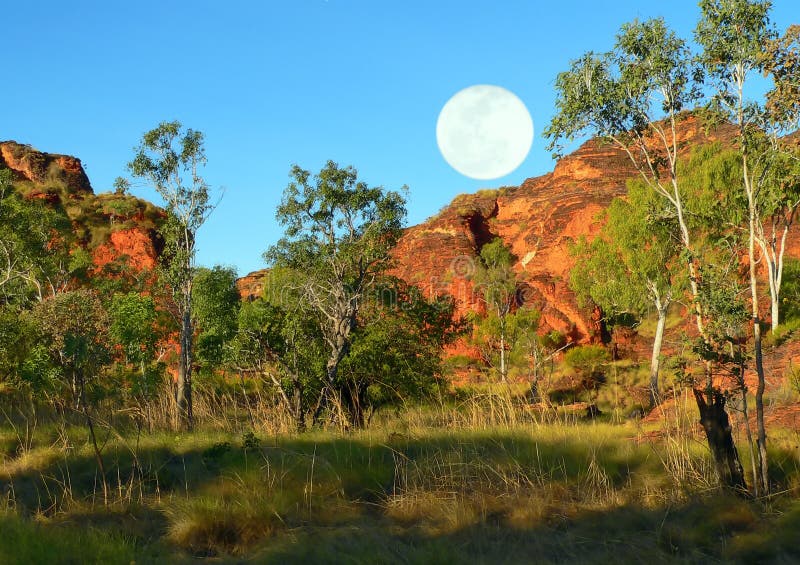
(274,83)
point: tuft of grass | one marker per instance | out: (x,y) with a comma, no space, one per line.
(26,542)
(209,526)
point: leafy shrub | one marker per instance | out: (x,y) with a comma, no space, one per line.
(587,359)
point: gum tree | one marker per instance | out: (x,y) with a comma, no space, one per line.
(497,283)
(339,234)
(169,158)
(633,97)
(739,41)
(626,269)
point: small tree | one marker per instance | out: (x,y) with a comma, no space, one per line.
(169,159)
(278,338)
(397,353)
(216,308)
(626,269)
(497,283)
(339,232)
(75,327)
(133,328)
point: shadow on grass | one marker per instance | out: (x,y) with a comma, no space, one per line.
(321,499)
(726,529)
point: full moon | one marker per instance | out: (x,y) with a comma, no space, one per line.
(484,132)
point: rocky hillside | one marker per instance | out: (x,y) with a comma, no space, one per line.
(112,227)
(539,220)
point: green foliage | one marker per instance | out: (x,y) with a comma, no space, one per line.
(632,266)
(73,326)
(34,244)
(711,180)
(494,277)
(587,359)
(339,232)
(397,348)
(278,338)
(733,35)
(169,158)
(17,337)
(135,329)
(507,332)
(620,94)
(554,340)
(215,304)
(790,289)
(334,217)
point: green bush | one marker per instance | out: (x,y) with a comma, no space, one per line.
(587,359)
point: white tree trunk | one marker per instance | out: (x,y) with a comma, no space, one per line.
(655,358)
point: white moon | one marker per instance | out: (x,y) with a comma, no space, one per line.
(484,132)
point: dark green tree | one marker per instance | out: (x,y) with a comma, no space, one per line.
(339,234)
(397,349)
(279,339)
(216,307)
(134,327)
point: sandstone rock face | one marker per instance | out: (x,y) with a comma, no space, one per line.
(251,285)
(538,220)
(43,168)
(136,244)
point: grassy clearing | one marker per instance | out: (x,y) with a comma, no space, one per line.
(426,485)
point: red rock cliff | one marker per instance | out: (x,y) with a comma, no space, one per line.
(61,179)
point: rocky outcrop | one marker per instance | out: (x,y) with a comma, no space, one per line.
(113,227)
(45,169)
(538,220)
(251,286)
(135,245)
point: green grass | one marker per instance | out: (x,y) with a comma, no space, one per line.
(409,492)
(26,541)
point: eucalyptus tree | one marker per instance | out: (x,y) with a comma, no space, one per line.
(780,172)
(736,36)
(338,238)
(629,268)
(497,283)
(634,97)
(169,159)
